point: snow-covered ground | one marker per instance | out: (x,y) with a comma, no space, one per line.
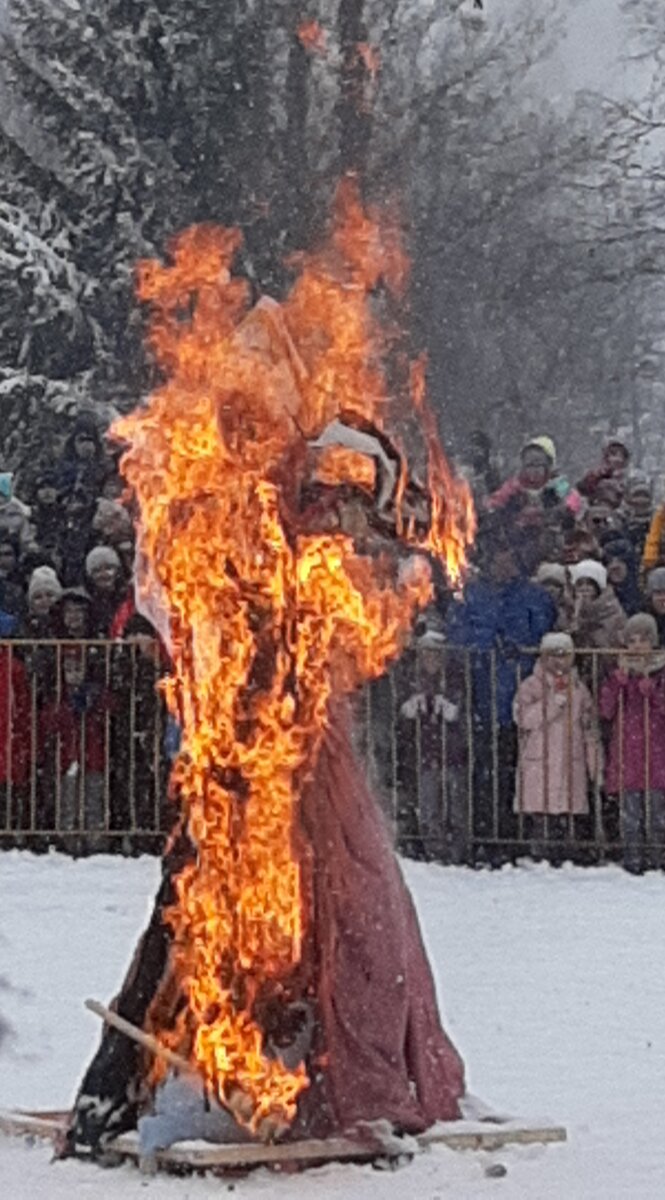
(552,984)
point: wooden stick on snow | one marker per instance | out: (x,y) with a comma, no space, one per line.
(144,1039)
(239,1103)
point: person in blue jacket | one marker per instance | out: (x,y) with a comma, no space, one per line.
(500,619)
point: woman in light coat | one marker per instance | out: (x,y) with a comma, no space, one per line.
(559,747)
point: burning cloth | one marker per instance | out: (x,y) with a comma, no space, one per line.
(283,554)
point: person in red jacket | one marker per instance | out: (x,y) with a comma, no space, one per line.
(633,700)
(14,741)
(609,478)
(75,740)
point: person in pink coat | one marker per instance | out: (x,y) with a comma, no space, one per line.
(559,747)
(633,699)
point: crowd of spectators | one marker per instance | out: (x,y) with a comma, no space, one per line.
(530,710)
(536,699)
(81,723)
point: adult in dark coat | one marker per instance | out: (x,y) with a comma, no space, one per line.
(139,765)
(501,616)
(84,463)
(76,536)
(47,514)
(622,566)
(12,591)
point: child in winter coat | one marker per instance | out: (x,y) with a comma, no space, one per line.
(559,747)
(432,810)
(75,744)
(633,699)
(599,619)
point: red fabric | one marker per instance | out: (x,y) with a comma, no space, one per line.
(386,1054)
(123,614)
(642,717)
(14,708)
(61,718)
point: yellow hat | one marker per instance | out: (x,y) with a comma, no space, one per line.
(545,444)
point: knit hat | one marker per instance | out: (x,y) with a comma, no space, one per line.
(642,623)
(588,568)
(557,643)
(551,572)
(113,513)
(614,439)
(44,579)
(544,443)
(656,580)
(101,556)
(614,545)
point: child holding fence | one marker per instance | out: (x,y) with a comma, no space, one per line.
(633,699)
(559,747)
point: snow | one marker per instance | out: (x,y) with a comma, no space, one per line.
(552,984)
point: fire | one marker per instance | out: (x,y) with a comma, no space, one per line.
(268,616)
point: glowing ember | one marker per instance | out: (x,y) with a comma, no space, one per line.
(270,606)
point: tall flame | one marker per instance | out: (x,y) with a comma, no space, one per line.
(266,618)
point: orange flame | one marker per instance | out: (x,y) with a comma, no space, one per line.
(267,619)
(453,522)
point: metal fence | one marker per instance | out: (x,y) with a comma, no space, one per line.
(476,757)
(84,745)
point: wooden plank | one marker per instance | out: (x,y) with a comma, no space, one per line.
(199,1155)
(456,1135)
(478,1135)
(40,1125)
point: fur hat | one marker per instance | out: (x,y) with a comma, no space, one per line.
(588,568)
(544,443)
(641,623)
(44,579)
(551,572)
(101,556)
(557,643)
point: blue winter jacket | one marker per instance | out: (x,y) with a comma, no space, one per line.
(503,618)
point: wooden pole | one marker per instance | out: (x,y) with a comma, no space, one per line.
(238,1103)
(144,1039)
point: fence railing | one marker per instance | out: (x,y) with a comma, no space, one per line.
(478,758)
(475,756)
(84,744)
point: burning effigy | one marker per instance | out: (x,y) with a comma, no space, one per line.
(285,536)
